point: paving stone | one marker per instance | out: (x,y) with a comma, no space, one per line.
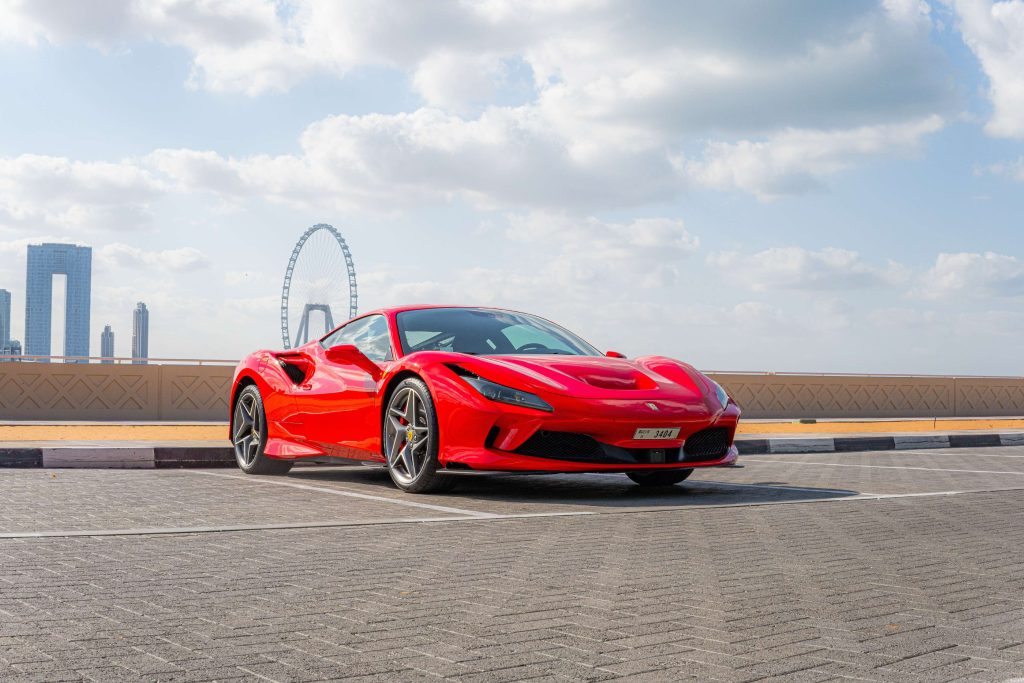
(918,589)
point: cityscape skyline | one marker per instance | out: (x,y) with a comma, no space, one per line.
(45,261)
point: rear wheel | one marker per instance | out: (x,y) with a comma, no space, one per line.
(659,477)
(410,439)
(249,435)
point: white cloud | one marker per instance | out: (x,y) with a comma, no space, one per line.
(579,258)
(1012,169)
(505,157)
(794,161)
(649,252)
(237,45)
(617,89)
(972,275)
(193,170)
(55,192)
(796,268)
(995,32)
(448,79)
(127,256)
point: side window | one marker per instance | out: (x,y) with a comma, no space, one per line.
(369,335)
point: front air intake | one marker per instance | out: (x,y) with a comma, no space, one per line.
(707,444)
(561,445)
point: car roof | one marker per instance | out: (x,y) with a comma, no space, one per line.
(419,307)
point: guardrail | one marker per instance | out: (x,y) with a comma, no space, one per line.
(197,390)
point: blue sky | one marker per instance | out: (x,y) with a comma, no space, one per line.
(777,186)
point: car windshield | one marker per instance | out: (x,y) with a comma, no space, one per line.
(484,332)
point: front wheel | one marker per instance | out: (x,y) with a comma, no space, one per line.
(410,439)
(249,435)
(659,477)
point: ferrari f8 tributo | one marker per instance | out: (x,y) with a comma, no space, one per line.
(432,391)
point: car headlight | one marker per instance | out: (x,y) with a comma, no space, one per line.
(502,394)
(723,397)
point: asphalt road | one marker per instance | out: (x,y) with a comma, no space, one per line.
(894,566)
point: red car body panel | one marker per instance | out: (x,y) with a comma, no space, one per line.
(336,409)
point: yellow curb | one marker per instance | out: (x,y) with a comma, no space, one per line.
(218,432)
(114,432)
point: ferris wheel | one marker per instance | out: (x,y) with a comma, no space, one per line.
(319,284)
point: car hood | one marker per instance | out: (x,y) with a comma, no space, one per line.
(652,377)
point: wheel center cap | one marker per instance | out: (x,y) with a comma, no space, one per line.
(410,434)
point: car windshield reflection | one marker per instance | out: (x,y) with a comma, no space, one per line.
(486,332)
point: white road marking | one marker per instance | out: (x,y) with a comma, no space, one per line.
(151,531)
(877,467)
(464,518)
(782,487)
(777,487)
(972,455)
(343,492)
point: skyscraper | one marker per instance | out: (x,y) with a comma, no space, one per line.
(107,344)
(11,348)
(140,334)
(45,260)
(5,317)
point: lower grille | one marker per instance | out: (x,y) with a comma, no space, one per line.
(561,445)
(707,444)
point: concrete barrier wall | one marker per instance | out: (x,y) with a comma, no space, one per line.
(58,391)
(838,396)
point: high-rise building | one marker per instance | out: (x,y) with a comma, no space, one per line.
(5,317)
(107,344)
(11,348)
(140,334)
(44,261)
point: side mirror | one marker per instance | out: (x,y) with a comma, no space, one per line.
(615,354)
(348,354)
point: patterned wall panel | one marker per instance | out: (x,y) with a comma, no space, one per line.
(58,391)
(824,396)
(989,397)
(194,392)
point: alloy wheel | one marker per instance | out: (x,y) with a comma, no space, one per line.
(248,419)
(406,435)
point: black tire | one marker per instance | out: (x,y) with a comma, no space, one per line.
(249,435)
(659,477)
(416,441)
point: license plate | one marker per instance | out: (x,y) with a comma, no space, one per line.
(655,434)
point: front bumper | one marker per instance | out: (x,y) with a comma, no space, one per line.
(486,460)
(480,435)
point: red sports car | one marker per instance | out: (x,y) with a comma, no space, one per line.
(430,391)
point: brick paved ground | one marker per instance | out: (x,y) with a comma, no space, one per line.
(840,583)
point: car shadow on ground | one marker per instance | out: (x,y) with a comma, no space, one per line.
(586,490)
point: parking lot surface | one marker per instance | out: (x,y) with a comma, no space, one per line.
(894,566)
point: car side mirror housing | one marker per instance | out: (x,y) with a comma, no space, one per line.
(349,354)
(614,354)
